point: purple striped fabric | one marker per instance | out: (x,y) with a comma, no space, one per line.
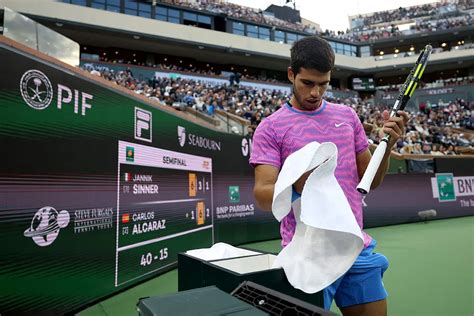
(289,129)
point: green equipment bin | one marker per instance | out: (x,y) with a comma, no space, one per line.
(207,301)
(228,274)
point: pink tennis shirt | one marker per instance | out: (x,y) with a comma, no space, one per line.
(289,129)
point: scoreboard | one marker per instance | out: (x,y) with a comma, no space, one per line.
(363,83)
(164,198)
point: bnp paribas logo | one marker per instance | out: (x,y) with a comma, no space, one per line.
(46,224)
(234,194)
(445,183)
(36,89)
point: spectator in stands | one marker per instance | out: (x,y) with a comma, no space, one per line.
(417,149)
(189,99)
(406,150)
(435,150)
(256,119)
(450,151)
(234,78)
(211,107)
(306,118)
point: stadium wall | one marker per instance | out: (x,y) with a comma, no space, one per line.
(99,190)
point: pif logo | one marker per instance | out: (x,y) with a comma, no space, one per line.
(36,89)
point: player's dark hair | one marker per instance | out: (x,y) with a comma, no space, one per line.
(312,52)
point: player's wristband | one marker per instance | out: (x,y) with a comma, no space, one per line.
(295,195)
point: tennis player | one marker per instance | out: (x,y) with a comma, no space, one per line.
(308,117)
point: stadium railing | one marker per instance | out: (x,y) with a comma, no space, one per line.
(411,163)
(233,123)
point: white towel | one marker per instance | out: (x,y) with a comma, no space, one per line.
(327,239)
(220,251)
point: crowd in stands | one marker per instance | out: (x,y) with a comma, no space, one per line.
(465,4)
(401,14)
(178,93)
(430,131)
(387,30)
(210,70)
(241,12)
(379,25)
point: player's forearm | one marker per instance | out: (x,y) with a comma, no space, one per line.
(380,175)
(264,196)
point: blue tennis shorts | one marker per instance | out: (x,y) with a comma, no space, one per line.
(362,283)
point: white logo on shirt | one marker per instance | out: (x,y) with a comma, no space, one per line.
(340,124)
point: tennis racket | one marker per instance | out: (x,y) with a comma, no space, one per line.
(406,91)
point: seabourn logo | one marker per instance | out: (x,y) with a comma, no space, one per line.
(245,147)
(197,141)
(181,135)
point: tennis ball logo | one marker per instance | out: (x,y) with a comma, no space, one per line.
(130,153)
(45,225)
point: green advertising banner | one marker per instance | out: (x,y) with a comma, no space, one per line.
(99,191)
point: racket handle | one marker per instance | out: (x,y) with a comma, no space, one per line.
(369,175)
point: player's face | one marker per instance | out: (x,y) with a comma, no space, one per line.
(309,86)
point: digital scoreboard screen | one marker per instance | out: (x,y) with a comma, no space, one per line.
(164,198)
(363,84)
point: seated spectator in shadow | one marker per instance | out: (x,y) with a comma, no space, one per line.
(250,131)
(401,144)
(189,99)
(460,140)
(442,149)
(406,150)
(417,149)
(435,150)
(426,149)
(256,119)
(211,108)
(234,79)
(451,150)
